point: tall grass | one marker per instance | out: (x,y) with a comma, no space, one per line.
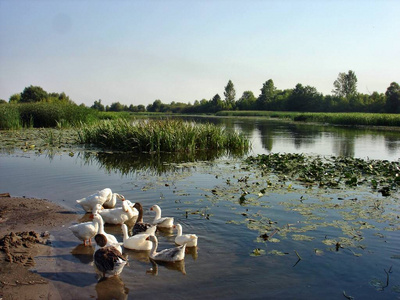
(161,136)
(369,119)
(9,117)
(42,114)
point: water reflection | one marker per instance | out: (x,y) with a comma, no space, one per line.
(111,288)
(174,266)
(83,253)
(158,163)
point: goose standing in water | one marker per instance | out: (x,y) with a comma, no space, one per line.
(85,231)
(107,259)
(165,222)
(119,215)
(104,197)
(140,226)
(111,239)
(137,242)
(189,239)
(166,255)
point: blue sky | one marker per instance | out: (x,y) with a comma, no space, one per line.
(136,52)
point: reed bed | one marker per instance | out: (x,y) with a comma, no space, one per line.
(9,117)
(43,114)
(160,136)
(368,119)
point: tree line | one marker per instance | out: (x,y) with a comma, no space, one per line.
(344,98)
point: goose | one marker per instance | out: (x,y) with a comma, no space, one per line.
(89,202)
(111,198)
(85,231)
(107,259)
(165,222)
(119,215)
(189,239)
(140,226)
(166,255)
(111,239)
(136,242)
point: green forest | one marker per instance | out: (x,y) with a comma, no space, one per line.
(344,98)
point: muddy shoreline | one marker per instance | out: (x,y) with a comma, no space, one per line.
(26,225)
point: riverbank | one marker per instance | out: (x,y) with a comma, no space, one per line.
(25,233)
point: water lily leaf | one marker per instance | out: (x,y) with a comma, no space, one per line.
(276,252)
(257,252)
(377,284)
(273,240)
(300,237)
(329,242)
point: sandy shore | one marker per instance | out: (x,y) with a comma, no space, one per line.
(25,229)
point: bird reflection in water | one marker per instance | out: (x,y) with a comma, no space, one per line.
(177,266)
(192,251)
(83,253)
(111,288)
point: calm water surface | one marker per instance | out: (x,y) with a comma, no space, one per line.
(205,198)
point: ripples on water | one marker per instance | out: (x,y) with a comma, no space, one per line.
(205,198)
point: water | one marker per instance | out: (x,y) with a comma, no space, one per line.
(205,199)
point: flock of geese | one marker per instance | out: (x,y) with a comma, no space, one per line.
(108,258)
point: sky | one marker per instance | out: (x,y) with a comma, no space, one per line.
(135,52)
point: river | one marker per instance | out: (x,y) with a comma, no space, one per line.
(232,261)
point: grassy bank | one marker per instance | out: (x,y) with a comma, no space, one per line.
(368,119)
(42,114)
(160,136)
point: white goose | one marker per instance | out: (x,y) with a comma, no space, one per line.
(165,222)
(111,239)
(85,231)
(100,197)
(119,215)
(138,241)
(107,259)
(189,239)
(167,255)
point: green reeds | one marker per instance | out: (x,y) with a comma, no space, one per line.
(161,136)
(44,114)
(364,119)
(9,117)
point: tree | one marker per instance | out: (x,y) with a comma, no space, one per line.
(393,98)
(267,95)
(97,105)
(216,103)
(247,101)
(345,85)
(116,106)
(15,98)
(304,98)
(230,95)
(33,94)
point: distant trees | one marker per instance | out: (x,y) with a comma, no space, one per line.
(393,98)
(15,98)
(304,98)
(345,85)
(37,94)
(98,106)
(301,98)
(268,90)
(247,101)
(230,95)
(33,94)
